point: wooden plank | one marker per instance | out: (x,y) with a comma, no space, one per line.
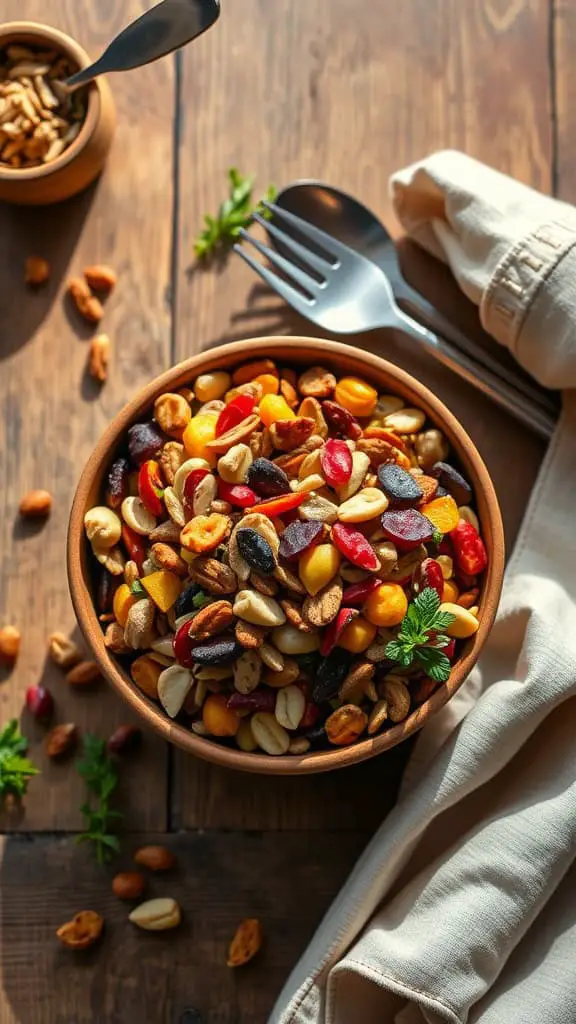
(348,93)
(51,413)
(152,978)
(563,94)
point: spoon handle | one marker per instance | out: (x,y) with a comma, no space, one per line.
(513,401)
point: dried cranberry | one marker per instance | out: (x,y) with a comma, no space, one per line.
(399,486)
(117,488)
(183,645)
(40,702)
(190,484)
(341,421)
(135,544)
(258,700)
(299,537)
(150,487)
(217,652)
(354,546)
(236,494)
(336,462)
(236,411)
(267,479)
(334,631)
(331,674)
(453,482)
(407,528)
(145,441)
(469,549)
(358,592)
(255,550)
(428,574)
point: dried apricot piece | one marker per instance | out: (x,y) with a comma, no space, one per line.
(442,513)
(204,533)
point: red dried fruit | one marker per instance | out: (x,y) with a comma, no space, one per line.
(336,462)
(406,527)
(267,479)
(236,411)
(336,628)
(358,592)
(278,506)
(183,646)
(341,421)
(135,545)
(428,574)
(311,710)
(40,702)
(453,482)
(117,488)
(150,487)
(399,486)
(299,537)
(465,581)
(190,484)
(145,441)
(469,550)
(354,546)
(237,494)
(258,700)
(445,546)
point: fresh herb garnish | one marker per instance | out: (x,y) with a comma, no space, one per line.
(99,773)
(421,627)
(437,536)
(15,769)
(200,599)
(137,589)
(235,212)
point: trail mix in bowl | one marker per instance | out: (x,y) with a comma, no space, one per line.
(293,557)
(38,121)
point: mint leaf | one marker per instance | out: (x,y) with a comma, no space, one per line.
(15,769)
(137,589)
(234,213)
(395,650)
(443,620)
(434,663)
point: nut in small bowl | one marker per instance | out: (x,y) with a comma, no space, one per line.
(52,143)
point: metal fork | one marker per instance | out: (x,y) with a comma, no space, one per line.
(345,293)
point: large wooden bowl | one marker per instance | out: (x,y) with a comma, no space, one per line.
(298,352)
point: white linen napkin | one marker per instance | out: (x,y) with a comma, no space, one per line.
(463,906)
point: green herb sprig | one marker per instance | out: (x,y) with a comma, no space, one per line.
(221,231)
(99,773)
(423,625)
(15,769)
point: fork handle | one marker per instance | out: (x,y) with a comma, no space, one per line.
(513,401)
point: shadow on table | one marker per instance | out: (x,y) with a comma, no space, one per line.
(48,231)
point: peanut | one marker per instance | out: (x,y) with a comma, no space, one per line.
(269,734)
(155,858)
(100,277)
(36,504)
(157,915)
(128,885)
(99,357)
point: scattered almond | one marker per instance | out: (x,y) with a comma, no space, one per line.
(36,504)
(128,885)
(61,740)
(100,278)
(155,858)
(99,357)
(211,619)
(63,651)
(83,674)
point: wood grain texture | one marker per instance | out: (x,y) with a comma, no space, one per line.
(134,976)
(563,22)
(347,93)
(51,413)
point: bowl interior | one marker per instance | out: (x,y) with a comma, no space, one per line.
(297,352)
(46,37)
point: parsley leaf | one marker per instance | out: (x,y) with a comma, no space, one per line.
(221,231)
(99,773)
(15,769)
(422,622)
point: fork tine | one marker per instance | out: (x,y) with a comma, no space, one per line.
(290,269)
(295,299)
(330,245)
(322,267)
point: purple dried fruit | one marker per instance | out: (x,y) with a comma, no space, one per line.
(399,486)
(145,441)
(258,700)
(255,550)
(341,421)
(117,488)
(298,537)
(267,479)
(407,528)
(453,481)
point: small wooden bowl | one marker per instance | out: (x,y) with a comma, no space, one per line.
(85,157)
(341,359)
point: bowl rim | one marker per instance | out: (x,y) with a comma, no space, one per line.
(31,31)
(223,357)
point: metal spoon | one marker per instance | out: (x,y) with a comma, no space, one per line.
(164,28)
(342,216)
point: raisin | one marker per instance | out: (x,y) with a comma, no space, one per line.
(317,736)
(407,528)
(341,421)
(145,441)
(217,652)
(117,488)
(258,700)
(453,482)
(185,602)
(299,537)
(255,550)
(267,479)
(330,676)
(399,486)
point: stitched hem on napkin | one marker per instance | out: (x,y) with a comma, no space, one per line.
(425,1001)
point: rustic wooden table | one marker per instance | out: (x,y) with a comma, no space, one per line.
(328,88)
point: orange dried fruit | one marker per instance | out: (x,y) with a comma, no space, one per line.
(246,942)
(82,931)
(204,533)
(442,513)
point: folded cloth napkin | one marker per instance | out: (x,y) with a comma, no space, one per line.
(463,906)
